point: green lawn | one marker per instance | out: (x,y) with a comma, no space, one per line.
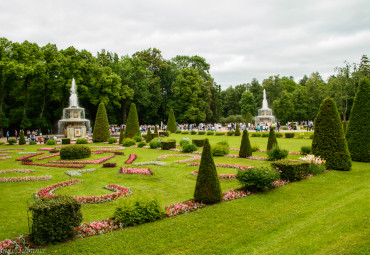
(327,214)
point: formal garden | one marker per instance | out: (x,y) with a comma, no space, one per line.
(203,193)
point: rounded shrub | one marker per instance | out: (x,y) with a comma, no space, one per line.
(193,132)
(81,141)
(184,141)
(51,142)
(132,123)
(137,138)
(112,140)
(272,139)
(22,139)
(256,134)
(257,178)
(220,150)
(75,151)
(32,143)
(210,133)
(101,131)
(359,123)
(12,141)
(201,132)
(305,150)
(185,132)
(255,147)
(171,123)
(276,153)
(289,135)
(220,133)
(189,147)
(329,142)
(141,144)
(230,133)
(155,143)
(245,146)
(66,141)
(128,142)
(278,135)
(178,131)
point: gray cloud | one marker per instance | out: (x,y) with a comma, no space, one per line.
(240,39)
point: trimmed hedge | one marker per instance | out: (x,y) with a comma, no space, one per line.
(189,148)
(329,142)
(245,146)
(278,135)
(165,133)
(132,123)
(54,219)
(359,122)
(220,133)
(101,131)
(112,140)
(171,123)
(256,134)
(121,135)
(276,153)
(257,178)
(210,133)
(198,142)
(291,170)
(75,151)
(272,140)
(12,141)
(22,139)
(51,142)
(207,189)
(289,135)
(166,145)
(230,133)
(149,136)
(155,143)
(66,141)
(82,141)
(201,132)
(128,142)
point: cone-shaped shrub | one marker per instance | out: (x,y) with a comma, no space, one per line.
(156,130)
(149,136)
(237,130)
(345,126)
(272,139)
(101,128)
(328,141)
(22,140)
(207,189)
(132,123)
(359,122)
(121,136)
(245,146)
(171,123)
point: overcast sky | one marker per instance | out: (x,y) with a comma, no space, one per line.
(241,40)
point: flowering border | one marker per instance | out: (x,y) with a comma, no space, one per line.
(95,161)
(74,173)
(131,159)
(194,157)
(130,170)
(53,165)
(157,163)
(16,171)
(7,157)
(29,156)
(234,166)
(49,156)
(25,179)
(220,176)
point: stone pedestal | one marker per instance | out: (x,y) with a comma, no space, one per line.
(75,132)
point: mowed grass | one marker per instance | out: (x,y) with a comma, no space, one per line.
(326,214)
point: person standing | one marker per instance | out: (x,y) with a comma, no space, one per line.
(7,135)
(278,126)
(16,135)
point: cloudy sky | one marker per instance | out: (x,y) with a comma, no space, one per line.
(241,40)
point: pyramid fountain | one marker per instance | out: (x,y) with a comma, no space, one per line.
(73,123)
(265,113)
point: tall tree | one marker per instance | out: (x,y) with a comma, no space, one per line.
(247,103)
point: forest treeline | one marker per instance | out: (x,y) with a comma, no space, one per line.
(35,82)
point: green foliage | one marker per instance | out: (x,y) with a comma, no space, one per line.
(149,136)
(247,103)
(141,144)
(137,138)
(164,133)
(289,135)
(121,135)
(198,142)
(279,135)
(75,151)
(51,142)
(255,148)
(166,145)
(132,124)
(291,170)
(201,132)
(82,141)
(22,139)
(128,142)
(230,133)
(256,134)
(272,140)
(155,143)
(220,149)
(305,150)
(178,131)
(138,212)
(345,126)
(257,178)
(245,146)
(32,143)
(329,142)
(184,141)
(1,143)
(171,123)
(101,131)
(66,140)
(156,130)
(112,140)
(359,123)
(220,133)
(237,130)
(12,141)
(193,132)
(316,169)
(276,153)
(189,148)
(207,189)
(210,133)
(248,118)
(185,132)
(265,134)
(54,219)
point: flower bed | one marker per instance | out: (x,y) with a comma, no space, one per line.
(53,165)
(12,149)
(182,207)
(130,170)
(251,157)
(157,163)
(108,147)
(194,157)
(29,156)
(119,192)
(49,156)
(7,157)
(241,167)
(131,159)
(16,171)
(74,173)
(96,228)
(45,149)
(25,179)
(26,152)
(280,183)
(5,154)
(19,245)
(95,161)
(220,176)
(234,194)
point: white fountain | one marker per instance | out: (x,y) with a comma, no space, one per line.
(73,123)
(265,113)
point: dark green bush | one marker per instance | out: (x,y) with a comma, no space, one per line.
(112,140)
(149,136)
(82,141)
(220,133)
(166,145)
(185,132)
(201,132)
(311,136)
(264,134)
(198,142)
(101,131)
(128,142)
(329,142)
(66,141)
(207,189)
(193,132)
(256,134)
(156,130)
(220,150)
(291,170)
(245,146)
(237,130)
(359,123)
(189,148)
(178,131)
(171,123)
(210,133)
(141,144)
(121,135)
(137,138)
(22,139)
(276,153)
(132,123)
(155,143)
(279,135)
(230,133)
(289,135)
(12,141)
(54,219)
(51,142)
(257,178)
(255,148)
(305,150)
(164,133)
(75,151)
(138,212)
(32,143)
(155,136)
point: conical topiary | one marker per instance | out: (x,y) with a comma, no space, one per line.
(237,130)
(272,139)
(245,146)
(156,130)
(359,122)
(149,136)
(101,131)
(22,139)
(121,135)
(345,126)
(328,141)
(207,189)
(171,123)
(132,123)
